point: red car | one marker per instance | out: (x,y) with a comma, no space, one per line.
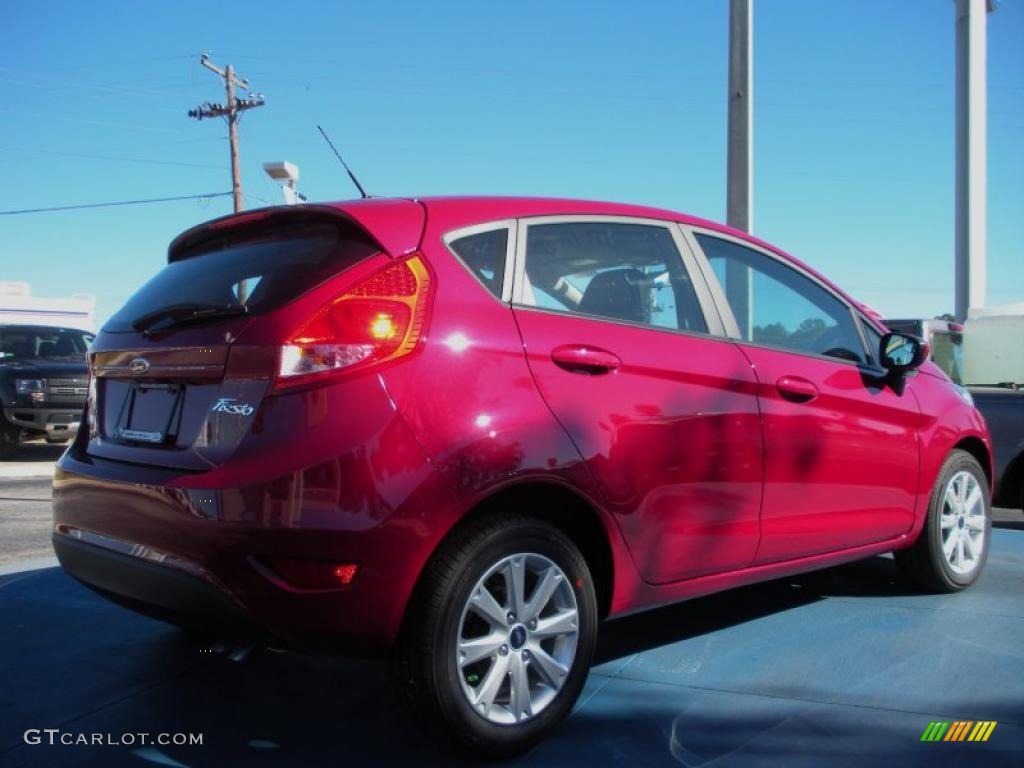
(466,430)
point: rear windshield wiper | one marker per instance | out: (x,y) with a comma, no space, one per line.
(181,314)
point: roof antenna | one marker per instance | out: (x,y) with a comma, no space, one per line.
(362,192)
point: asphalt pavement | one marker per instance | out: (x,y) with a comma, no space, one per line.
(845,667)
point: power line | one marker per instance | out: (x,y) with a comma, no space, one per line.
(128,89)
(100,65)
(160,144)
(89,156)
(546,74)
(257,198)
(85,121)
(119,202)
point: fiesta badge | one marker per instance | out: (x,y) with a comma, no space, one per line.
(139,365)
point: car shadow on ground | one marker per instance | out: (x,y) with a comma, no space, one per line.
(32,461)
(39,451)
(875,577)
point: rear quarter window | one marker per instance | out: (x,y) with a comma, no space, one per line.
(484,253)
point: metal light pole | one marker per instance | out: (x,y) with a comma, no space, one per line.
(970,154)
(740,161)
(739,203)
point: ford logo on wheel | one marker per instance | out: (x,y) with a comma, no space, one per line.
(139,365)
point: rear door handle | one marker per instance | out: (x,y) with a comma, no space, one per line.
(797,389)
(580,358)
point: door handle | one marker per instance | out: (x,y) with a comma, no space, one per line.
(797,389)
(579,358)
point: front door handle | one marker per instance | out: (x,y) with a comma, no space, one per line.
(796,389)
(580,358)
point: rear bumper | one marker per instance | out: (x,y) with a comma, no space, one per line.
(158,590)
(197,557)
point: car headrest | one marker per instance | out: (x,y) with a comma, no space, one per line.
(623,294)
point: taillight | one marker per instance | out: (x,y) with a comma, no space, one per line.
(91,420)
(380,318)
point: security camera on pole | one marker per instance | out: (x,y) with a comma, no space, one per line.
(287,174)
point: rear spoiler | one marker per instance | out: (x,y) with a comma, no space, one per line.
(395,225)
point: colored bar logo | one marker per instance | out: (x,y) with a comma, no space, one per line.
(959,730)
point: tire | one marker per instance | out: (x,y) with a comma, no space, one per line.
(450,604)
(9,436)
(954,524)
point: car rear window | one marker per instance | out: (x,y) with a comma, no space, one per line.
(261,268)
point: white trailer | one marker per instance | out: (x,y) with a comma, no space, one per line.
(994,345)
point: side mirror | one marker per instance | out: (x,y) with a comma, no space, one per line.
(901,353)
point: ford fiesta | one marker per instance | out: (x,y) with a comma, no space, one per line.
(464,431)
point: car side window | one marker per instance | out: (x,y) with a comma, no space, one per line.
(484,254)
(627,272)
(777,306)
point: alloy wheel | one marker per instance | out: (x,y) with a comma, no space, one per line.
(963,523)
(517,638)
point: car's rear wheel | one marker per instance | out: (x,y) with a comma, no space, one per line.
(500,636)
(951,550)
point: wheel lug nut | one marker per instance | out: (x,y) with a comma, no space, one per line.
(503,650)
(526,655)
(511,618)
(532,625)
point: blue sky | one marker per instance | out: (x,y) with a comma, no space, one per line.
(607,100)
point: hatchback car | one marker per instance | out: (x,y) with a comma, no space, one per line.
(464,431)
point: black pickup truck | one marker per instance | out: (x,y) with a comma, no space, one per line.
(1003,409)
(1001,403)
(44,381)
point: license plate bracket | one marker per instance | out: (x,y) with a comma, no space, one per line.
(150,413)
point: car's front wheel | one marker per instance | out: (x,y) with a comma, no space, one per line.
(953,545)
(500,636)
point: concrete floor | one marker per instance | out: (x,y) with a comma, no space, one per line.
(26,520)
(842,667)
(25,510)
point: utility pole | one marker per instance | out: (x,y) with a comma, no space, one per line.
(739,205)
(231,111)
(971,18)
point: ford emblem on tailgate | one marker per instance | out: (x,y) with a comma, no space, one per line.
(139,365)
